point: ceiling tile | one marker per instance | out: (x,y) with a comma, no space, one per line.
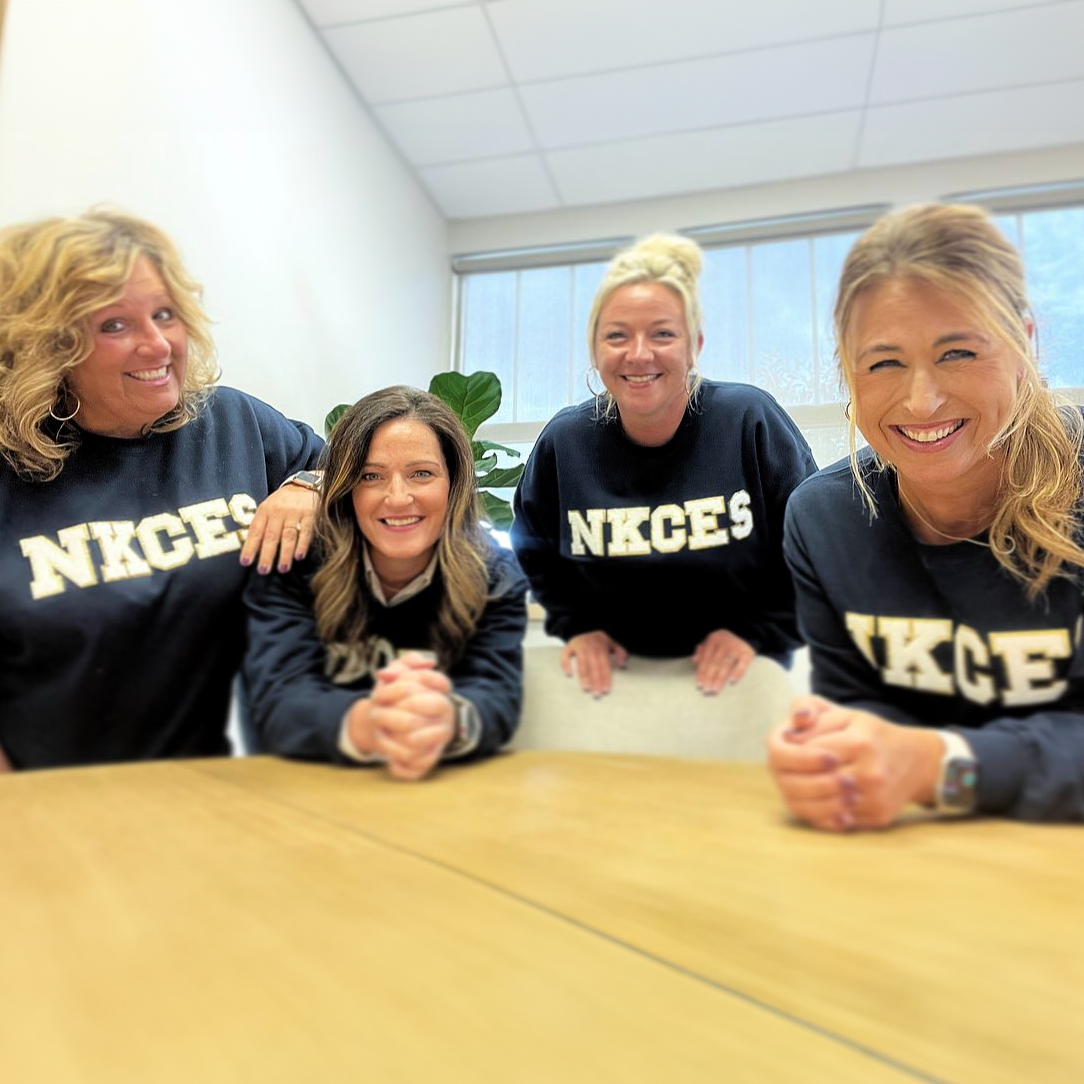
(546,39)
(902,12)
(333,12)
(420,56)
(1012,48)
(458,126)
(988,123)
(497,186)
(699,161)
(796,79)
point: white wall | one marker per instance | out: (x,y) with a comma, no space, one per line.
(324,263)
(897,186)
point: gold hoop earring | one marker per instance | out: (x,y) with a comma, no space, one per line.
(57,418)
(847,410)
(590,373)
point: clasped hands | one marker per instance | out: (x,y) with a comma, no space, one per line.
(722,658)
(840,768)
(408,719)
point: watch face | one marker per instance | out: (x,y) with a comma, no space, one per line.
(958,784)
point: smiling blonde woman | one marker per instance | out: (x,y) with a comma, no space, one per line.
(649,520)
(939,572)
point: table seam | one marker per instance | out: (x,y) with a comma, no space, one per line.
(687,972)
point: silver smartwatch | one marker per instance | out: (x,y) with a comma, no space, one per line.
(957,786)
(310,479)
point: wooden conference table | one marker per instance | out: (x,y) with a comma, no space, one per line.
(540,917)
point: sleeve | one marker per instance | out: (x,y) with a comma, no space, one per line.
(1031,768)
(289,446)
(489,674)
(294,708)
(536,538)
(840,672)
(784,461)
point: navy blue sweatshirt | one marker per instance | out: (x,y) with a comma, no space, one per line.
(942,636)
(298,710)
(121,590)
(661,546)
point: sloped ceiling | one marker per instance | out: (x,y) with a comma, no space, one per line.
(507,106)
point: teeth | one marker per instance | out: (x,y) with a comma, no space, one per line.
(928,436)
(641,379)
(150,374)
(405,522)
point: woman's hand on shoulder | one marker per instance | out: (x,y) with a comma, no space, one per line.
(721,659)
(595,655)
(840,768)
(282,526)
(409,718)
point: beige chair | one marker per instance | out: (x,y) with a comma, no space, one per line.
(654,708)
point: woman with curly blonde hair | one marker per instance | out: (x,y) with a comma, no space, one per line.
(649,519)
(128,485)
(404,645)
(939,571)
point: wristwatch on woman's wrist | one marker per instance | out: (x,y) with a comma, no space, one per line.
(957,785)
(310,479)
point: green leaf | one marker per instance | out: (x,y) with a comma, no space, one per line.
(504,478)
(486,463)
(491,446)
(333,417)
(473,398)
(498,513)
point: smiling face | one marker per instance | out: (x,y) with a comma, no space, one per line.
(401,501)
(932,387)
(644,354)
(135,370)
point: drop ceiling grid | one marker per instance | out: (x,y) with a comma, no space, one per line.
(525,105)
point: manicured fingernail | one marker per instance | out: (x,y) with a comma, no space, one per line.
(263,569)
(802,713)
(283,567)
(299,555)
(845,820)
(829,761)
(246,561)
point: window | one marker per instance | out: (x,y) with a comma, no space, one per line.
(767,292)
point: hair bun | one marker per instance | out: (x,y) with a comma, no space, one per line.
(663,255)
(678,249)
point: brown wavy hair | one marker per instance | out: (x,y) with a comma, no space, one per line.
(958,249)
(54,274)
(342,599)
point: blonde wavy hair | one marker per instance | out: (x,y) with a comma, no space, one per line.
(54,275)
(958,249)
(669,260)
(342,599)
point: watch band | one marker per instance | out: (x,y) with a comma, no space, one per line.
(310,479)
(957,786)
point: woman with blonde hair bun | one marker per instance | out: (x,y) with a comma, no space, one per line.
(133,492)
(649,520)
(939,570)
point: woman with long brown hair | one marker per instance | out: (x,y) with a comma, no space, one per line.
(404,644)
